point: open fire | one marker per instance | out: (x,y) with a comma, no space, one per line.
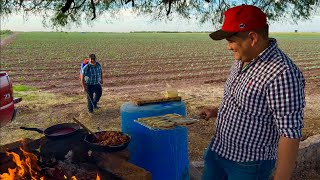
(27,168)
(68,158)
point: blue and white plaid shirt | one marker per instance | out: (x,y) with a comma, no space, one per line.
(92,74)
(261,103)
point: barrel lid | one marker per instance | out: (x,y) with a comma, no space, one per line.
(131,107)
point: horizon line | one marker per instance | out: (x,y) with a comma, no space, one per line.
(154,31)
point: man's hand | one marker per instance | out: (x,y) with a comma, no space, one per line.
(208,113)
(287,155)
(83,83)
(85,88)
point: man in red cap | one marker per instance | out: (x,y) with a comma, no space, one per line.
(261,114)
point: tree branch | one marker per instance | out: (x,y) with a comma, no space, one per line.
(67,6)
(93,10)
(169,8)
(204,9)
(132,2)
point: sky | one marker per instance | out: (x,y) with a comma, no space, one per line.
(128,23)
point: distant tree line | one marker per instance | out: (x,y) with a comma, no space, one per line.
(2,32)
(170,31)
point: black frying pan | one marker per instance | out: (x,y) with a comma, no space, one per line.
(57,131)
(90,138)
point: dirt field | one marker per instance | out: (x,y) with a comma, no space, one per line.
(196,67)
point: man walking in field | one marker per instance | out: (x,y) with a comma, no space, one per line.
(261,114)
(91,82)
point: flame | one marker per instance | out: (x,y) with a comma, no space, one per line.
(31,162)
(98,177)
(24,167)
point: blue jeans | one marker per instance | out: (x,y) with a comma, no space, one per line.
(219,168)
(93,96)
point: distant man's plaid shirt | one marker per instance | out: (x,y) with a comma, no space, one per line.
(261,103)
(92,74)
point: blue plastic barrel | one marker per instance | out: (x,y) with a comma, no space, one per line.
(162,152)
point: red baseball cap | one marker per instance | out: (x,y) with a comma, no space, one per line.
(240,19)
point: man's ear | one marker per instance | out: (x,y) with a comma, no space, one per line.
(253,37)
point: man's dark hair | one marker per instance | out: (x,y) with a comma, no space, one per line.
(92,56)
(264,32)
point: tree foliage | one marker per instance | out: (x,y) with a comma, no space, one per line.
(61,13)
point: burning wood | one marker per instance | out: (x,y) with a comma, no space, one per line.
(26,168)
(65,159)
